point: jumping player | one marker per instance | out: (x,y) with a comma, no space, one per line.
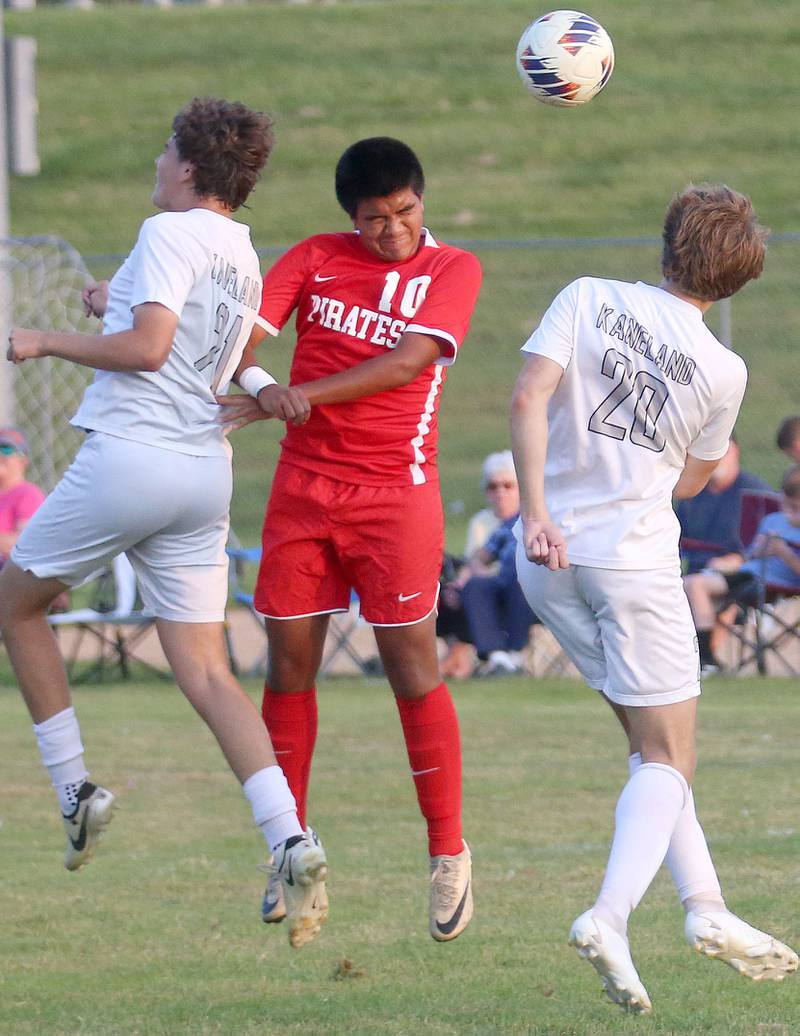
(381,313)
(626,400)
(153,479)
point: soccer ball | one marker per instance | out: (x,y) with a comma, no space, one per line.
(565,58)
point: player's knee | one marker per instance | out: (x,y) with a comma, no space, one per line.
(290,675)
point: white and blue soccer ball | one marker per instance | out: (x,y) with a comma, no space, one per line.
(565,58)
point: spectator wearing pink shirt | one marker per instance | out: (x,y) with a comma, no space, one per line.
(18,497)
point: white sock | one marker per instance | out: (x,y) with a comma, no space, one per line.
(646,814)
(274,806)
(59,740)
(689,859)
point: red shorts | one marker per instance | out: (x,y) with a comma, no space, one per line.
(323,538)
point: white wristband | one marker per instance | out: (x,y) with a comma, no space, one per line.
(254,379)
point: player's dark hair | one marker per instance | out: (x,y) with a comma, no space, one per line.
(228,145)
(374,168)
(788,433)
(790,483)
(713,242)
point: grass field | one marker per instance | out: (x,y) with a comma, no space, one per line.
(700,91)
(160,934)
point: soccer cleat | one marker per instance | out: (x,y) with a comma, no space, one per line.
(609,954)
(86,824)
(302,868)
(451,906)
(754,954)
(273,905)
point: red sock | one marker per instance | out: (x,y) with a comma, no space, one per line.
(291,720)
(430,726)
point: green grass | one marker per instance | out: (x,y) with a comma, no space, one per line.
(700,91)
(160,935)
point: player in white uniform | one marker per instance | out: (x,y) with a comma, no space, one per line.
(153,479)
(626,400)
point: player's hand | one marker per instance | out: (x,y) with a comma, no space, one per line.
(545,544)
(25,344)
(95,298)
(286,403)
(238,411)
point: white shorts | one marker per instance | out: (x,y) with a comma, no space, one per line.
(168,511)
(630,633)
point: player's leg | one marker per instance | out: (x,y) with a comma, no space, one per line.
(662,653)
(390,544)
(72,535)
(182,572)
(35,656)
(430,728)
(558,601)
(289,713)
(198,659)
(299,584)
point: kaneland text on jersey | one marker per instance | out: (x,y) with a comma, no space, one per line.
(224,273)
(671,362)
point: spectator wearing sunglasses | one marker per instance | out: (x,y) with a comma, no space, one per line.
(18,497)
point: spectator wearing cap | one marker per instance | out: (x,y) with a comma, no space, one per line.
(499,484)
(18,497)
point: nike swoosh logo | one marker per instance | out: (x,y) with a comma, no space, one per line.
(408,597)
(79,843)
(318,278)
(450,925)
(419,773)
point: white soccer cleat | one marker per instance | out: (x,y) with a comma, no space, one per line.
(273,905)
(754,954)
(451,906)
(302,868)
(609,954)
(86,824)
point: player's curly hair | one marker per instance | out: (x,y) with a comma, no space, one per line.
(228,145)
(713,242)
(374,168)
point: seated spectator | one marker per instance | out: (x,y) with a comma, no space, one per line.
(498,616)
(18,498)
(712,518)
(788,438)
(773,560)
(499,483)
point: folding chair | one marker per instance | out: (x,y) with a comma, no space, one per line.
(768,629)
(112,622)
(343,629)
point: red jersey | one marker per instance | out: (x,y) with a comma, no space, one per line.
(351,306)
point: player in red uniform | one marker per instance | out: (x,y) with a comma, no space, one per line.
(355,503)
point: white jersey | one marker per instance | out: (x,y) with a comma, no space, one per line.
(645,382)
(202,266)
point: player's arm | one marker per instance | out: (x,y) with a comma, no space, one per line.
(264,397)
(543,541)
(145,347)
(693,478)
(399,366)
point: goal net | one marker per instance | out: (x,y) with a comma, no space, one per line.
(42,279)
